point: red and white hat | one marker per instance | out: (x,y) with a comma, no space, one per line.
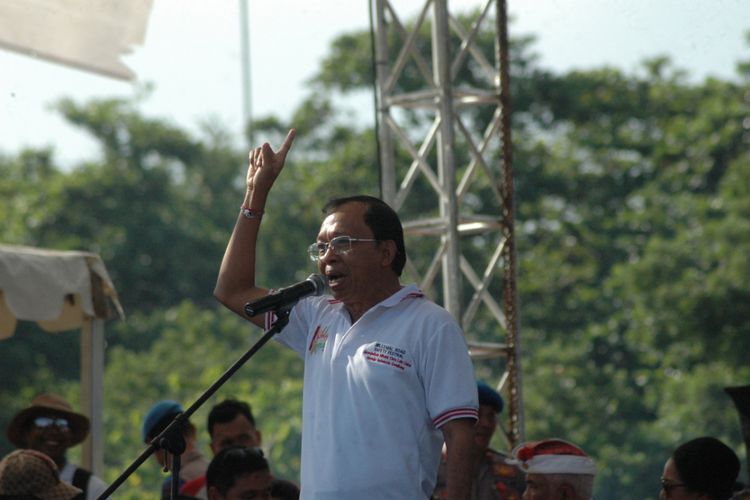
(553,456)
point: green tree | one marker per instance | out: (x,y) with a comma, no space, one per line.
(194,347)
(632,249)
(632,210)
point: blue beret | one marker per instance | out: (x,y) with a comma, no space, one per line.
(159,411)
(488,396)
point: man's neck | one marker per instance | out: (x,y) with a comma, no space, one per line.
(359,308)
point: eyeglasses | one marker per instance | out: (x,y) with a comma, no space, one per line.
(668,487)
(44,422)
(340,245)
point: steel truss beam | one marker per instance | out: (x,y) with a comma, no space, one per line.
(461,161)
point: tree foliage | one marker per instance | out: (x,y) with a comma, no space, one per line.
(633,238)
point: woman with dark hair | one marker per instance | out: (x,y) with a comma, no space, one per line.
(703,468)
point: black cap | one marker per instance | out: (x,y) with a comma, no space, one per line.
(706,465)
(488,396)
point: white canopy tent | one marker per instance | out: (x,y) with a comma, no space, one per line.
(92,35)
(64,291)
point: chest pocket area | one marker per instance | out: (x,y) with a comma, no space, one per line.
(380,355)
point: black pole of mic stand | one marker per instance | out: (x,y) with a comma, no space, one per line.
(175,483)
(168,440)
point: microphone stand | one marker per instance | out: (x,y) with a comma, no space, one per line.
(171,439)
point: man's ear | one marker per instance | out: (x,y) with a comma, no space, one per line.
(388,247)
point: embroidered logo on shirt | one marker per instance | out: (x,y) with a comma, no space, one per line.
(388,355)
(319,339)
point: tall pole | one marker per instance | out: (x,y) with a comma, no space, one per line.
(92,392)
(510,292)
(247,130)
(448,204)
(385,140)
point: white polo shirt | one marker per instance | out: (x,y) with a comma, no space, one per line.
(376,394)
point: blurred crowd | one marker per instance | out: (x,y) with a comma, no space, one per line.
(549,469)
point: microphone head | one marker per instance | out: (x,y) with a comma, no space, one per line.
(320,282)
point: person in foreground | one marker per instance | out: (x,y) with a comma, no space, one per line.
(387,372)
(555,470)
(32,475)
(239,473)
(703,469)
(50,425)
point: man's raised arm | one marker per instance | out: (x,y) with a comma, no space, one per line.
(236,283)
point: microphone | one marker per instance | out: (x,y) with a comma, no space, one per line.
(315,284)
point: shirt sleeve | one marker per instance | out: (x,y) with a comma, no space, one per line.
(447,373)
(294,335)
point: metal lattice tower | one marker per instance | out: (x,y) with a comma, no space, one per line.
(455,171)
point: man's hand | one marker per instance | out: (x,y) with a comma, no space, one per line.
(236,283)
(265,165)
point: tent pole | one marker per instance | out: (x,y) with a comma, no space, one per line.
(92,392)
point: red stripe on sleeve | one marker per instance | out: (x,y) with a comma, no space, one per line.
(444,417)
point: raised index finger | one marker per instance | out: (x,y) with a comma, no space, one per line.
(284,149)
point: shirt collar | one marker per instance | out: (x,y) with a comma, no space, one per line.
(406,292)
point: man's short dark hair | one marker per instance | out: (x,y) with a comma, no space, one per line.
(231,463)
(226,411)
(284,490)
(708,466)
(382,220)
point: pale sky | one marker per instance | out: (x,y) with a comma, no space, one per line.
(191,55)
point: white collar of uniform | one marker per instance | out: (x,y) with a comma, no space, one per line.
(406,292)
(410,291)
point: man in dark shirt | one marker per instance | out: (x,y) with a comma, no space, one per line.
(496,477)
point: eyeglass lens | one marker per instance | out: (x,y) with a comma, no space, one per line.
(43,422)
(339,245)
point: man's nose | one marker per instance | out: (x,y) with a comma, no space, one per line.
(53,429)
(328,254)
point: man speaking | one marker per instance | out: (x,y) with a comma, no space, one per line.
(387,372)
